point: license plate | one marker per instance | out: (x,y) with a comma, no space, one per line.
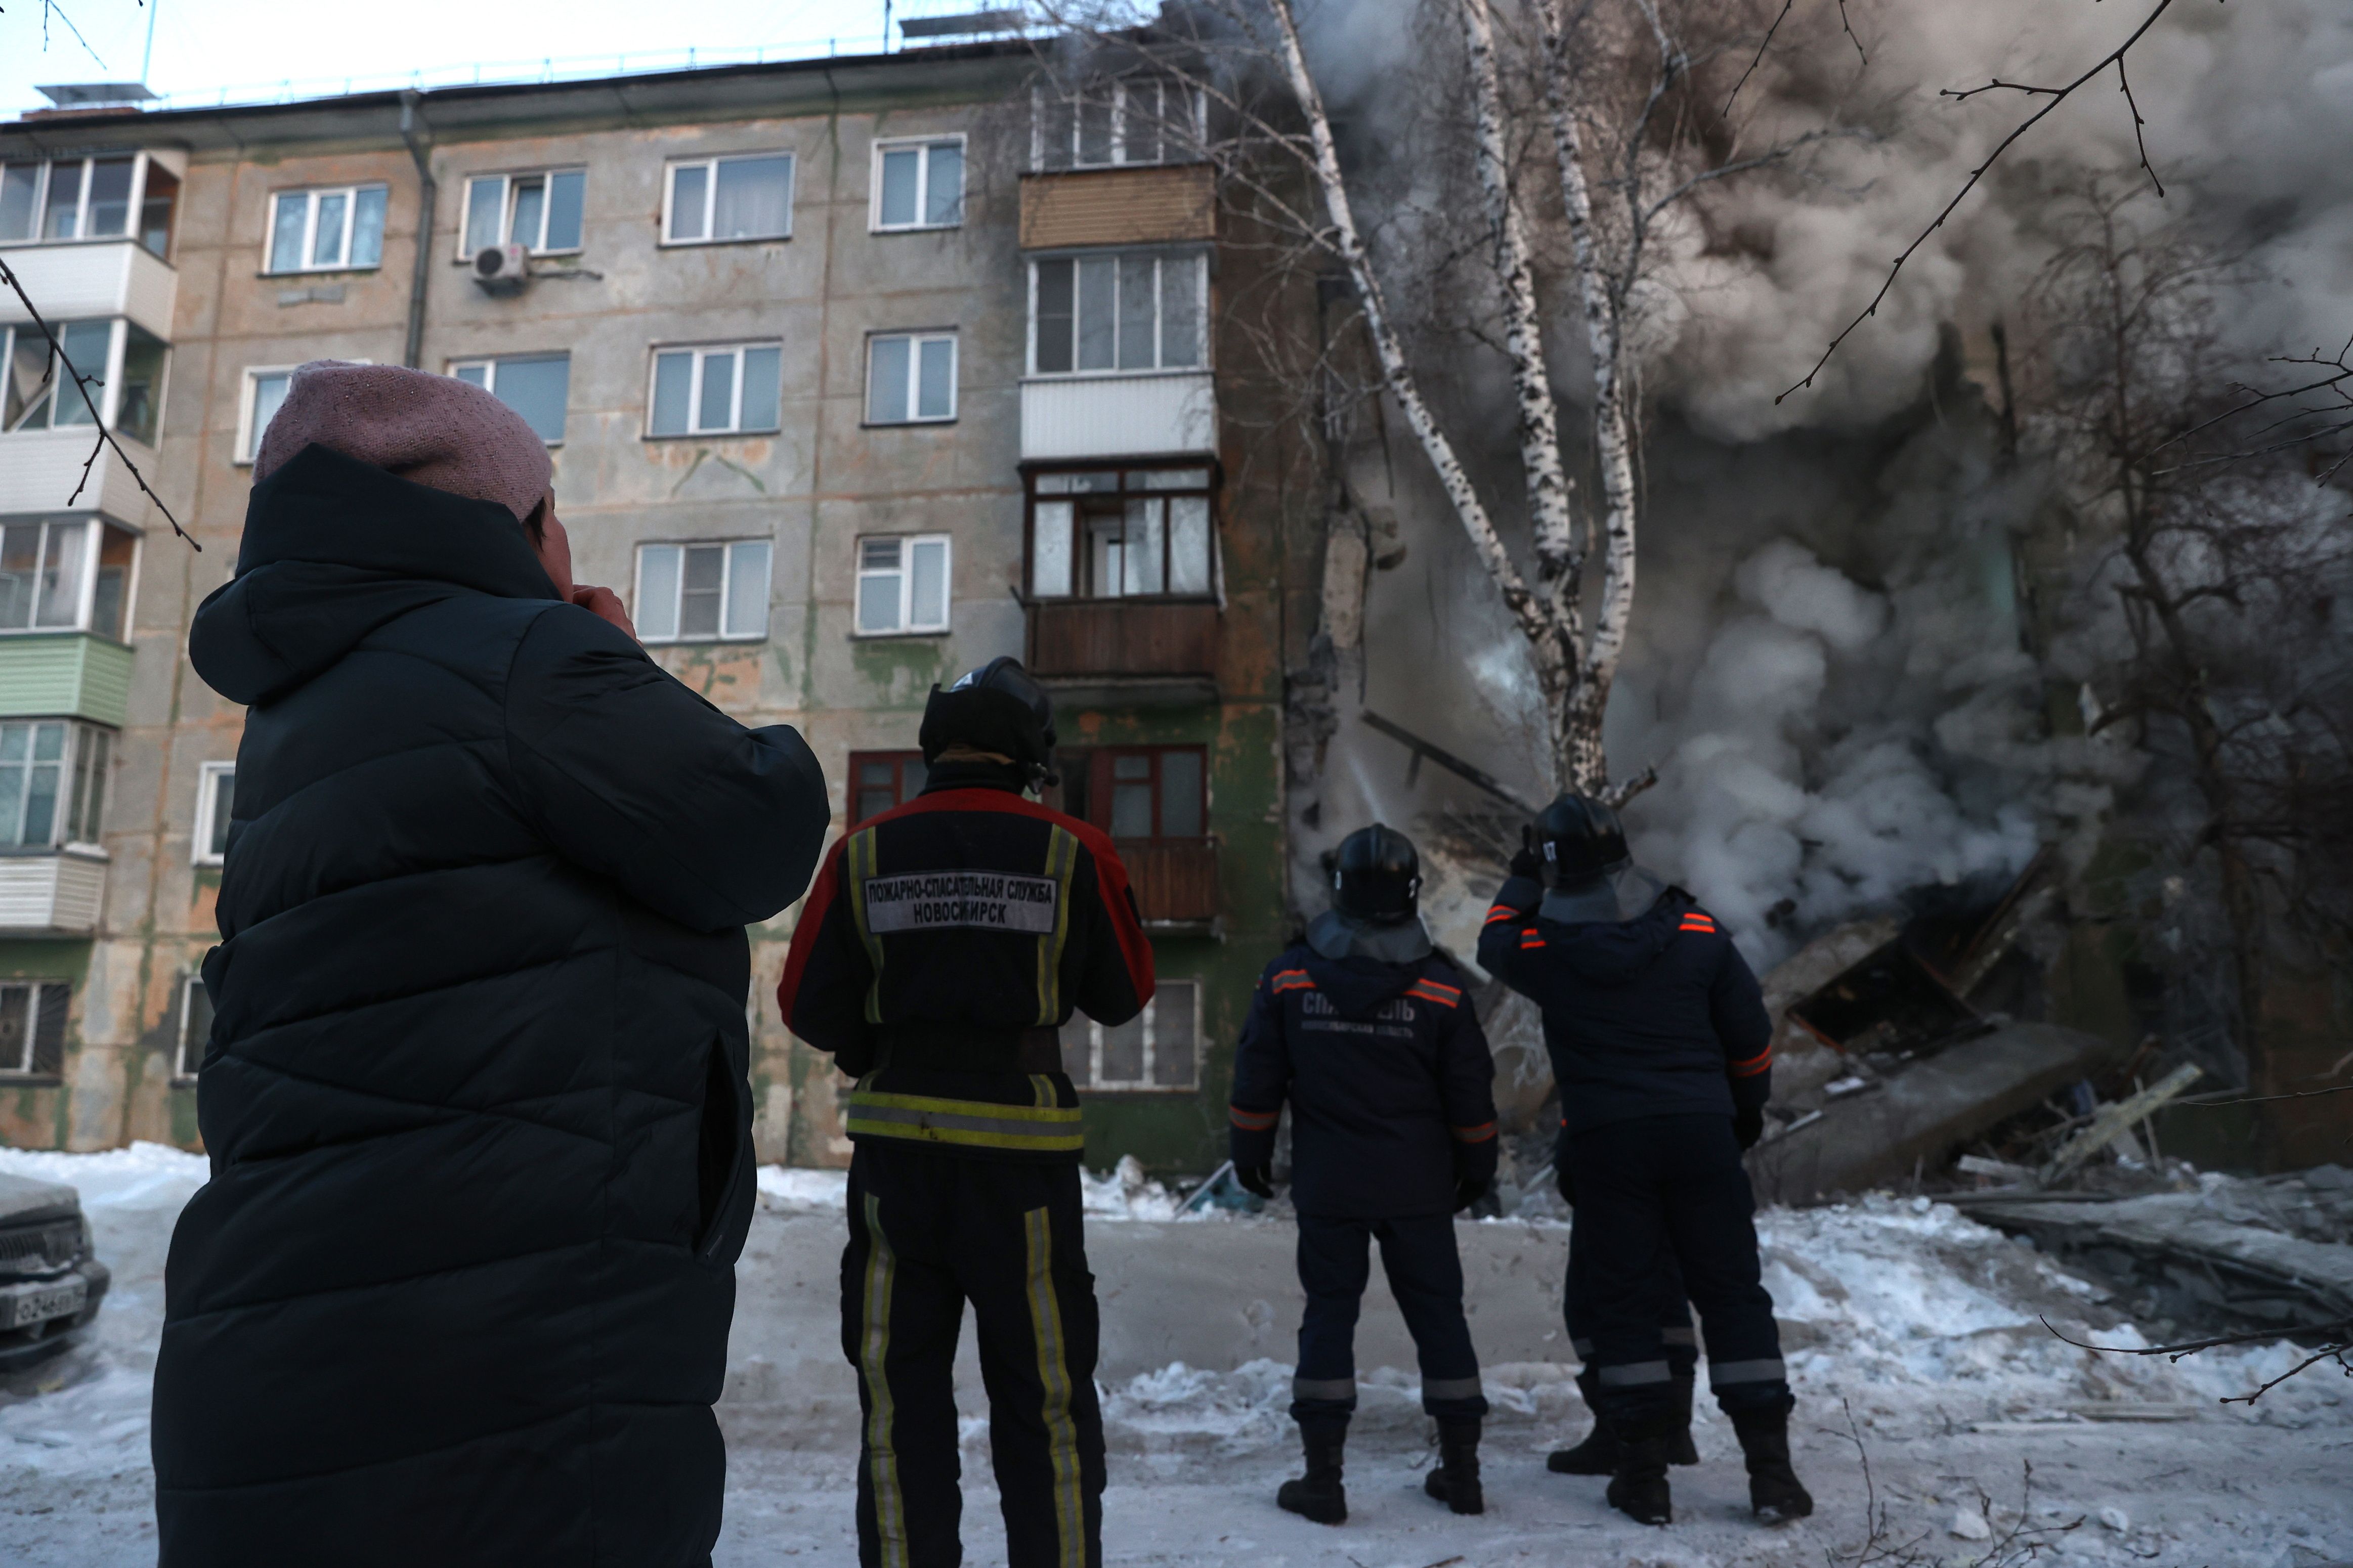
(38,1303)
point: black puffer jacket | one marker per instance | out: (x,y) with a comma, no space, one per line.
(459,1289)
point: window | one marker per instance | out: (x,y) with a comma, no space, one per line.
(1119,309)
(195,1027)
(52,782)
(40,396)
(327,230)
(1111,534)
(910,378)
(903,584)
(215,801)
(536,386)
(702,592)
(881,780)
(717,391)
(265,394)
(1138,792)
(540,212)
(72,575)
(90,198)
(1159,1048)
(715,199)
(33,1026)
(919,184)
(1130,119)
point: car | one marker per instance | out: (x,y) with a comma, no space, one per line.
(50,1281)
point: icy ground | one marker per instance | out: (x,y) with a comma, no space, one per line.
(1920,1323)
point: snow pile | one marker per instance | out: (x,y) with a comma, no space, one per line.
(798,1187)
(1121,1193)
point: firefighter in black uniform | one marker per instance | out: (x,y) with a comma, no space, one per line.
(1662,1050)
(1365,1029)
(944,946)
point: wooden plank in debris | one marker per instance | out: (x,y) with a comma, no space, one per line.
(2114,1121)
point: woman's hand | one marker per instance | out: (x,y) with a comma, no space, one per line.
(605,602)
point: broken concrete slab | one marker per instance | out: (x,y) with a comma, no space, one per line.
(1923,1113)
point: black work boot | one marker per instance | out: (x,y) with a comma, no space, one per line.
(1318,1494)
(1774,1492)
(1597,1455)
(1638,1487)
(1681,1449)
(1455,1482)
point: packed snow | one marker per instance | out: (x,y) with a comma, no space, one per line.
(1913,1333)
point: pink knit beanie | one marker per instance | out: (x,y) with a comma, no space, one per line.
(430,429)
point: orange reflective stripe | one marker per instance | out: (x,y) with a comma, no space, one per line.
(1754,1065)
(1253,1121)
(1501,913)
(1530,939)
(1478,1134)
(1444,996)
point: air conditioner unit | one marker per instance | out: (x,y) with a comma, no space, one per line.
(501,268)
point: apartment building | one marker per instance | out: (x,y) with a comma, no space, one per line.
(856,372)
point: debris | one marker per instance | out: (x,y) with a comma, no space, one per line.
(2130,1410)
(1970,1524)
(1919,1116)
(2114,1518)
(2114,1122)
(1447,760)
(1846,1086)
(1890,1001)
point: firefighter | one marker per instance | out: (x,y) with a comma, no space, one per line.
(944,946)
(1365,1029)
(1663,1050)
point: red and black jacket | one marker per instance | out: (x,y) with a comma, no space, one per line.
(1659,1015)
(943,948)
(1390,1084)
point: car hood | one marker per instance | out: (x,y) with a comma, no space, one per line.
(22,1198)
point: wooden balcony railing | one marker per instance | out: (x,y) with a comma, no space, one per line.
(1123,639)
(1176,879)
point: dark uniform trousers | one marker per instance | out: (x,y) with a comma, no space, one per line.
(1676,1334)
(1656,1194)
(927,1232)
(1425,1276)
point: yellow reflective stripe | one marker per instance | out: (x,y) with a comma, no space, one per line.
(1062,860)
(1054,1379)
(882,1453)
(974,1124)
(1042,1090)
(858,864)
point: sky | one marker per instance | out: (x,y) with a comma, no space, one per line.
(204,46)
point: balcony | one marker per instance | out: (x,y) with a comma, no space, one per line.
(1156,205)
(1174,879)
(77,281)
(1126,652)
(1164,412)
(56,892)
(40,469)
(65,674)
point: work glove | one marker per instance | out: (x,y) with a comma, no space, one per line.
(1528,862)
(1747,1127)
(1469,1190)
(1258,1179)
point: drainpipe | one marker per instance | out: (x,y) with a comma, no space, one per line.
(427,190)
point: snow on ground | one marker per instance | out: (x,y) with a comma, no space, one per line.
(1911,1331)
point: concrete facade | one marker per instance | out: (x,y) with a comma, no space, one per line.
(811,490)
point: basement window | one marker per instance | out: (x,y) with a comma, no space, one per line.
(33,1027)
(1159,1048)
(539,211)
(903,584)
(713,200)
(730,389)
(918,184)
(704,593)
(335,229)
(536,386)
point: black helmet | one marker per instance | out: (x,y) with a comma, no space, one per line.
(1377,875)
(1579,839)
(997,708)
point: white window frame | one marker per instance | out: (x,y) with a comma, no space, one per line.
(507,179)
(248,433)
(140,163)
(490,362)
(923,180)
(915,341)
(1153,1046)
(709,165)
(79,734)
(107,392)
(26,1067)
(1160,254)
(1044,97)
(906,571)
(185,1059)
(85,605)
(726,590)
(350,195)
(703,352)
(200,841)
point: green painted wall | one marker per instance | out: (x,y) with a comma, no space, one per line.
(69,673)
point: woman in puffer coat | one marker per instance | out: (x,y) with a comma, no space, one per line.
(459,1289)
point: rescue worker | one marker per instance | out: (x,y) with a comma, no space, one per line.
(1365,1029)
(1598,1454)
(944,946)
(1663,1050)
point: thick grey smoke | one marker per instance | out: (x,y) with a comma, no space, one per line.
(1827,667)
